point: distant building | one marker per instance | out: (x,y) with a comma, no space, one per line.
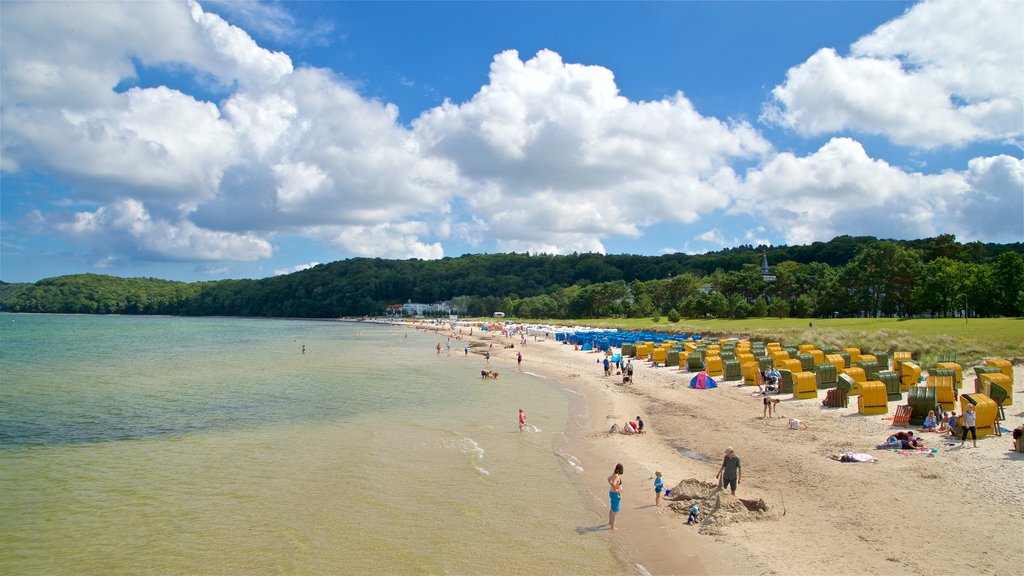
(766,274)
(411,308)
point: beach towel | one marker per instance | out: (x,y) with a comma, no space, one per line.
(928,453)
(854,457)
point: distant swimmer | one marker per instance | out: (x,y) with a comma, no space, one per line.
(303,348)
(522,419)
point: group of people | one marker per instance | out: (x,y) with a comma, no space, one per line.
(949,424)
(633,427)
(730,474)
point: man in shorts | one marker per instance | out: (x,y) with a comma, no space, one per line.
(731,473)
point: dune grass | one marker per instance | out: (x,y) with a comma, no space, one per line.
(928,339)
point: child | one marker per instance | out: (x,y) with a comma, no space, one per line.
(694,517)
(659,485)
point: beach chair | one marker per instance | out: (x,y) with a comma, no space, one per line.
(836,398)
(998,395)
(902,415)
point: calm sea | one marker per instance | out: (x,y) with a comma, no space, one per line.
(158,445)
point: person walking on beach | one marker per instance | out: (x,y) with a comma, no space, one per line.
(970,420)
(522,419)
(519,360)
(731,473)
(303,348)
(614,494)
(438,348)
(659,485)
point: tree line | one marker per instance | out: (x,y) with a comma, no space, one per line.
(847,276)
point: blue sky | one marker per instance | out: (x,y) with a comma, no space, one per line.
(208,140)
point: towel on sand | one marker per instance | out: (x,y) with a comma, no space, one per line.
(853,457)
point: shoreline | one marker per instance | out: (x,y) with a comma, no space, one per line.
(648,540)
(819,516)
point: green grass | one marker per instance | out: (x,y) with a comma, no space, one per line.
(970,341)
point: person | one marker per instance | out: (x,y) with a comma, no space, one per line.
(614,494)
(519,360)
(629,371)
(951,424)
(659,485)
(487,357)
(629,428)
(770,404)
(639,425)
(771,378)
(303,348)
(694,517)
(909,442)
(730,473)
(522,419)
(438,348)
(931,423)
(795,424)
(465,349)
(607,366)
(970,423)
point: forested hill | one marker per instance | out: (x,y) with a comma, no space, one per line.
(847,275)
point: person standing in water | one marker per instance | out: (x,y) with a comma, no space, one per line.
(614,495)
(522,419)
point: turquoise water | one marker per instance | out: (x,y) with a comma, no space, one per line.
(157,445)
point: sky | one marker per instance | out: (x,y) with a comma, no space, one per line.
(207,140)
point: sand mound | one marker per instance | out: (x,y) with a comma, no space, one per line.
(718,508)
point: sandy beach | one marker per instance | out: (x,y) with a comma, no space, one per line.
(961,510)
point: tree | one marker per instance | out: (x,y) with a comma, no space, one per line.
(760,308)
(1008,283)
(779,307)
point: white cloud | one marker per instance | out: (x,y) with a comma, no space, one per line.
(713,236)
(560,160)
(841,190)
(126,226)
(399,240)
(945,73)
(296,268)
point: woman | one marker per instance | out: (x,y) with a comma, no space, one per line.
(614,494)
(970,423)
(931,423)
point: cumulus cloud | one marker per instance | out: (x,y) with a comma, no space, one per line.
(839,189)
(296,268)
(559,160)
(945,73)
(127,224)
(401,240)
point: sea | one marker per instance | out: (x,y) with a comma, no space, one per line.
(167,445)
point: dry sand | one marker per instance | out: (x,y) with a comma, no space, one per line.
(961,511)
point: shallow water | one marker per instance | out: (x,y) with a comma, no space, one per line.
(182,445)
